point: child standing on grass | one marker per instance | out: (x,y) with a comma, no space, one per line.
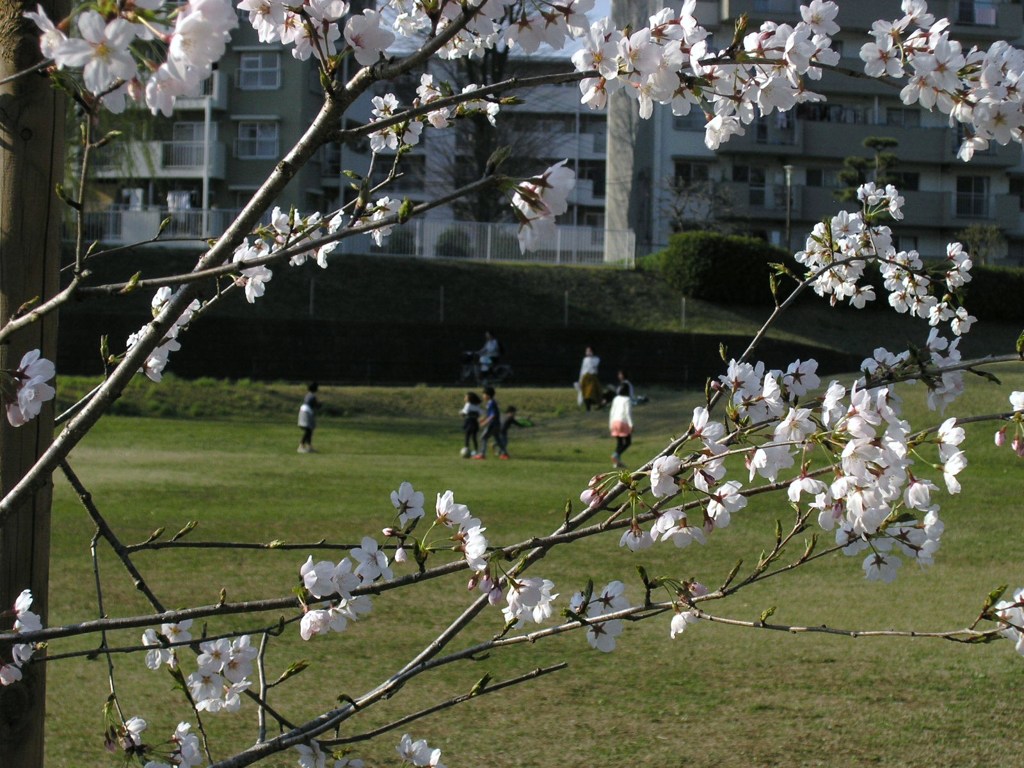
(307,418)
(470,423)
(620,424)
(491,423)
(508,421)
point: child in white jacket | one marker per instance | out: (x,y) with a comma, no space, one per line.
(620,424)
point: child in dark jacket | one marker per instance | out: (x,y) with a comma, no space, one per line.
(470,424)
(508,421)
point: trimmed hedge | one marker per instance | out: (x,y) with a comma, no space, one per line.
(726,269)
(996,294)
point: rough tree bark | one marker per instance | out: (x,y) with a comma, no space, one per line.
(31,165)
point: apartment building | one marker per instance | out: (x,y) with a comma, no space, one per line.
(780,178)
(200,166)
(776,181)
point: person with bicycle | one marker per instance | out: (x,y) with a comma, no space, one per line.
(489,354)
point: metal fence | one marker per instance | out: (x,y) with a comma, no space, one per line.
(483,241)
(421,238)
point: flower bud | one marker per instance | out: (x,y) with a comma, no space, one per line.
(1000,437)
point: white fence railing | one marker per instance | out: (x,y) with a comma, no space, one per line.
(429,238)
(421,238)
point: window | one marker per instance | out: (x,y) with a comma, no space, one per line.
(972,197)
(1017,188)
(977,12)
(594,172)
(257,140)
(905,181)
(904,242)
(188,131)
(688,173)
(259,71)
(905,118)
(754,177)
(693,121)
(827,178)
(186,148)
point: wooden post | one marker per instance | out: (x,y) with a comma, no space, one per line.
(32,120)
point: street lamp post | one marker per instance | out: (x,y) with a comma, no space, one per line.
(789,203)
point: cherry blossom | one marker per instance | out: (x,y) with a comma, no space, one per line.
(408,502)
(373,564)
(539,200)
(101,51)
(26,389)
(529,598)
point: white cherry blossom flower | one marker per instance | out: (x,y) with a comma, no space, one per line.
(373,564)
(369,40)
(529,598)
(101,51)
(28,389)
(408,502)
(680,621)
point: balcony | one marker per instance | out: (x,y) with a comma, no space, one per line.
(977,19)
(763,201)
(121,226)
(213,88)
(933,210)
(916,145)
(160,159)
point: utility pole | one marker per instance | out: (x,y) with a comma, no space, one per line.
(31,166)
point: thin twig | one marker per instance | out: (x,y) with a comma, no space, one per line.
(455,700)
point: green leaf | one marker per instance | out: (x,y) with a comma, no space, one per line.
(132,284)
(480,685)
(767,614)
(155,535)
(295,668)
(993,597)
(497,158)
(189,527)
(732,574)
(1020,345)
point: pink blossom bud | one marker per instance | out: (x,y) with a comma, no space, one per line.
(1018,446)
(401,555)
(389,531)
(1000,437)
(697,589)
(494,597)
(136,91)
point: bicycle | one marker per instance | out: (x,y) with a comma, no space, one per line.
(472,371)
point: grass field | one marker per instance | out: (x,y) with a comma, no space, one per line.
(717,696)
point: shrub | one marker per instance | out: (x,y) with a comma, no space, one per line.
(453,243)
(721,268)
(994,294)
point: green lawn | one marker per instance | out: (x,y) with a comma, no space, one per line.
(717,696)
